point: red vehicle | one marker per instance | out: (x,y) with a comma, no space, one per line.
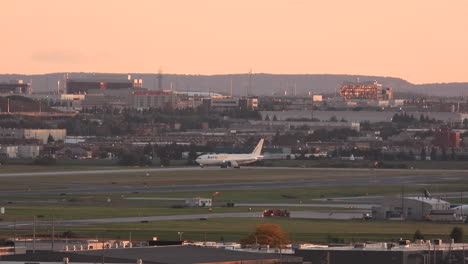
(275,212)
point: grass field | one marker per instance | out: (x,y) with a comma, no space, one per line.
(90,206)
(96,163)
(300,230)
(303,195)
(205,176)
(74,212)
(296,195)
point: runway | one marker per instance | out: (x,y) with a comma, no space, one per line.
(337,215)
(64,189)
(170,169)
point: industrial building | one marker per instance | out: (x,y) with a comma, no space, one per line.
(402,252)
(445,138)
(154,255)
(415,208)
(365,90)
(230,103)
(39,134)
(153,99)
(15,87)
(87,85)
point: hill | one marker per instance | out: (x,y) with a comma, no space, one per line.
(256,84)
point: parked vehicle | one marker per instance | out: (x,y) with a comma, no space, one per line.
(275,212)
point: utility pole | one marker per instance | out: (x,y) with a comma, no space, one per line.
(463,254)
(461,206)
(103,252)
(130,239)
(53,234)
(16,235)
(34,234)
(402,202)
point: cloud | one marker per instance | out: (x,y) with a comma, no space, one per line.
(57,56)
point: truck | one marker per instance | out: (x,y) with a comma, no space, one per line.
(275,213)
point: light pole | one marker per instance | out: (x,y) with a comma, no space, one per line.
(180,235)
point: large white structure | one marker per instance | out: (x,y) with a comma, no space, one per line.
(28,151)
(198,202)
(9,151)
(415,208)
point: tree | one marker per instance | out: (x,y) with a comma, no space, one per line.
(457,234)
(267,234)
(423,154)
(418,235)
(50,139)
(134,159)
(192,155)
(267,118)
(275,118)
(444,154)
(45,161)
(433,154)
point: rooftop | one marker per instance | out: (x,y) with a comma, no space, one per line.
(151,255)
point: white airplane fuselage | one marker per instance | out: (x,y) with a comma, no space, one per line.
(231,160)
(219,159)
(461,209)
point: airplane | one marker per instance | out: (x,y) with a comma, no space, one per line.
(225,160)
(460,209)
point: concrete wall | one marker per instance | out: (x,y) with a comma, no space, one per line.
(28,151)
(10,151)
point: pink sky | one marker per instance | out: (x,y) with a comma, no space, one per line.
(421,41)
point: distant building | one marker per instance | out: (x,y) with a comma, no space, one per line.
(15,87)
(387,94)
(402,252)
(365,90)
(226,103)
(38,134)
(9,151)
(28,151)
(446,138)
(317,98)
(198,202)
(20,151)
(86,85)
(153,99)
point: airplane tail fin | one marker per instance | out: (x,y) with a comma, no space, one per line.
(258,148)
